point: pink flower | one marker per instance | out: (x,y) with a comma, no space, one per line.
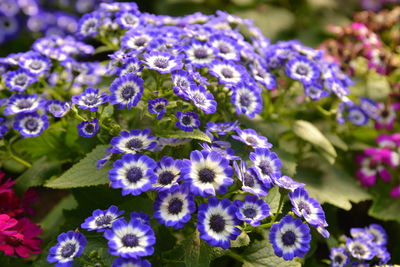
(6,186)
(24,242)
(370,168)
(387,116)
(395,192)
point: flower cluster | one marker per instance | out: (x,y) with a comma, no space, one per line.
(365,246)
(18,235)
(376,5)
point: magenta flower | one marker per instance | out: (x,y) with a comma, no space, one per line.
(387,116)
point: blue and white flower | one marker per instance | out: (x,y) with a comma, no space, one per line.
(140,216)
(302,69)
(199,54)
(250,179)
(246,98)
(262,75)
(267,163)
(130,240)
(158,106)
(290,238)
(30,124)
(34,63)
(128,19)
(90,99)
(217,222)
(174,208)
(162,62)
(287,183)
(187,121)
(228,72)
(222,128)
(360,249)
(57,108)
(315,91)
(126,262)
(102,219)
(339,257)
(133,173)
(182,82)
(89,25)
(88,128)
(227,47)
(207,173)
(251,138)
(168,173)
(18,80)
(202,99)
(136,40)
(18,103)
(134,141)
(69,246)
(131,65)
(253,210)
(379,235)
(357,116)
(126,91)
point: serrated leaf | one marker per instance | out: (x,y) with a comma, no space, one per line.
(329,183)
(308,132)
(40,171)
(84,173)
(196,134)
(261,254)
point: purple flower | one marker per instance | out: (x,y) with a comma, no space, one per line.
(30,124)
(162,62)
(250,179)
(18,80)
(102,219)
(247,100)
(202,99)
(34,63)
(57,108)
(19,103)
(187,121)
(88,128)
(251,138)
(228,72)
(302,69)
(90,99)
(126,91)
(339,257)
(253,210)
(199,54)
(133,141)
(158,106)
(69,246)
(168,173)
(222,128)
(89,25)
(267,163)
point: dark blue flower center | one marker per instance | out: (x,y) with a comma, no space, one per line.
(134,175)
(182,83)
(166,177)
(201,53)
(186,120)
(248,180)
(227,73)
(265,167)
(141,41)
(21,80)
(199,99)
(127,92)
(130,240)
(359,251)
(338,259)
(159,107)
(224,49)
(302,70)
(90,26)
(250,213)
(304,206)
(289,238)
(161,63)
(245,100)
(206,175)
(217,223)
(134,143)
(31,124)
(129,19)
(68,250)
(103,220)
(24,104)
(251,140)
(89,128)
(175,206)
(35,65)
(90,100)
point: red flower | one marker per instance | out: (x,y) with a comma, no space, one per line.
(6,186)
(6,222)
(24,242)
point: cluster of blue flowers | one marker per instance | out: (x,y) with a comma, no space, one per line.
(365,246)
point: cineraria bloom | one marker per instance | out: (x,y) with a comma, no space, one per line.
(102,219)
(168,173)
(90,99)
(202,99)
(246,98)
(88,25)
(264,76)
(387,116)
(390,142)
(133,141)
(370,168)
(187,121)
(382,254)
(360,249)
(133,173)
(207,172)
(182,82)
(18,103)
(136,40)
(162,62)
(130,240)
(267,163)
(158,106)
(126,90)
(315,91)
(18,80)
(307,207)
(357,116)
(30,124)
(57,108)
(226,152)
(199,54)
(131,65)
(228,72)
(88,128)
(384,155)
(379,236)
(140,216)
(217,222)
(34,63)
(302,69)
(174,208)
(227,47)
(23,241)
(395,192)
(287,183)
(6,222)
(253,210)
(6,187)
(339,257)
(222,128)
(128,19)
(126,262)
(370,107)
(250,179)
(339,89)
(290,238)
(251,138)
(69,246)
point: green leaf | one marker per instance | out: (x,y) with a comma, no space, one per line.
(84,173)
(36,175)
(261,254)
(337,141)
(196,134)
(272,198)
(329,183)
(377,86)
(241,241)
(308,132)
(385,208)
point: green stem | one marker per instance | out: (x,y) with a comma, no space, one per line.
(235,256)
(266,225)
(279,208)
(19,160)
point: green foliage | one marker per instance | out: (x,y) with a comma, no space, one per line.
(385,208)
(272,198)
(196,134)
(84,173)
